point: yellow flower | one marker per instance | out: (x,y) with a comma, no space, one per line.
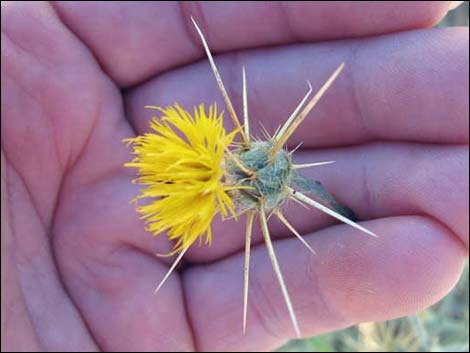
(183,168)
(181,164)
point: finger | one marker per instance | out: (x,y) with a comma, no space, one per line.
(374,180)
(393,88)
(134,42)
(352,279)
(379,179)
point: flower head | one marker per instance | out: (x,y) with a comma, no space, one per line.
(181,165)
(184,172)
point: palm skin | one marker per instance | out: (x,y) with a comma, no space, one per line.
(78,268)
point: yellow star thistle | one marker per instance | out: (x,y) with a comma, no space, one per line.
(180,163)
(190,174)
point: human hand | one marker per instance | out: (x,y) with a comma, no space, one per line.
(78,268)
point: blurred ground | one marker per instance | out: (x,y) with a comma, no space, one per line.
(443,327)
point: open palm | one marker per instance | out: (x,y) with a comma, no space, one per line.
(78,268)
